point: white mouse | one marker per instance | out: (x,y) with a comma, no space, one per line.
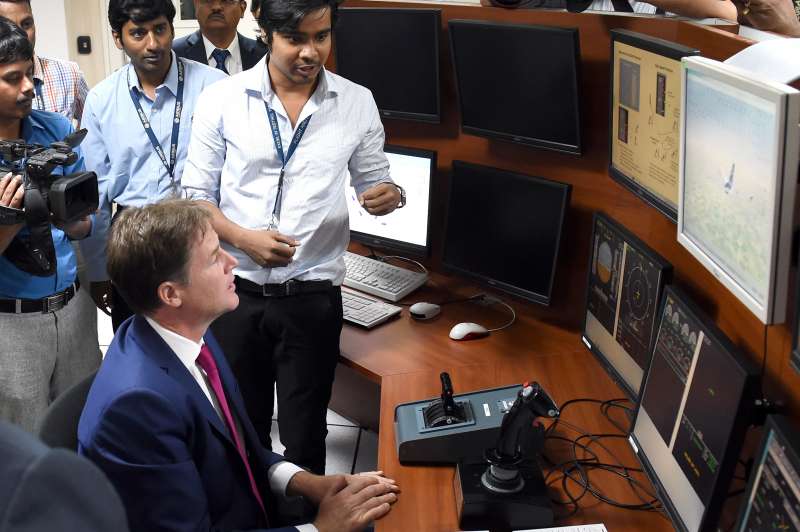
(424,311)
(468,331)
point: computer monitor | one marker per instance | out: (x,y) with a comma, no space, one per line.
(518,83)
(404,230)
(626,279)
(739,159)
(504,229)
(772,498)
(395,54)
(696,403)
(645,114)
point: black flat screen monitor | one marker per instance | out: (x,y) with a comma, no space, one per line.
(395,54)
(406,230)
(772,498)
(696,404)
(645,119)
(505,229)
(626,279)
(518,83)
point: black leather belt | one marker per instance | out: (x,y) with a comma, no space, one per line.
(47,304)
(292,287)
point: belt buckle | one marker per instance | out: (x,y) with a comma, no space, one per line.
(292,287)
(54,302)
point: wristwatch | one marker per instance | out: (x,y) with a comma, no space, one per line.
(402,196)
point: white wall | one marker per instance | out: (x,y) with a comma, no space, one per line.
(51,28)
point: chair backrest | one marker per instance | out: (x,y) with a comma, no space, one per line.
(59,426)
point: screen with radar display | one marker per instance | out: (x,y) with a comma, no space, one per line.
(405,229)
(625,283)
(694,411)
(772,499)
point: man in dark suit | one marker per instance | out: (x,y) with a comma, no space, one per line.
(168,425)
(217,43)
(52,489)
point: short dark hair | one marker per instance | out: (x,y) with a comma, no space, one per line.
(14,43)
(121,11)
(284,16)
(151,245)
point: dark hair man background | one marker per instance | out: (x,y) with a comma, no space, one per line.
(217,43)
(282,213)
(59,85)
(139,120)
(164,418)
(45,347)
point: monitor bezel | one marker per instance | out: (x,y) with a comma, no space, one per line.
(390,244)
(436,18)
(576,149)
(496,283)
(745,416)
(665,279)
(788,113)
(780,426)
(660,47)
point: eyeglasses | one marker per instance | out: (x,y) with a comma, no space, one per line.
(223,2)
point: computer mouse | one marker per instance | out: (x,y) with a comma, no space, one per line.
(424,311)
(468,331)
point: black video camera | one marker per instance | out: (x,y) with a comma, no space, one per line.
(48,198)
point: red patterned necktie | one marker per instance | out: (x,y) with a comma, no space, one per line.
(206,361)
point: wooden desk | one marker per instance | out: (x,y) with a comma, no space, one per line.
(405,357)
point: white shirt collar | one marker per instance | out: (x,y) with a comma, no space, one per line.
(233,47)
(186,350)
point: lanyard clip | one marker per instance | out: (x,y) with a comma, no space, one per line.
(274,221)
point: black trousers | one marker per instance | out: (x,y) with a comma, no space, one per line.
(291,342)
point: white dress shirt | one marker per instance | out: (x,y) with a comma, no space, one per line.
(232,163)
(607,5)
(187,352)
(233,63)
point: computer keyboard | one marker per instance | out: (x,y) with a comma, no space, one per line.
(379,278)
(365,310)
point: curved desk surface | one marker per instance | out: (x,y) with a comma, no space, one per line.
(405,358)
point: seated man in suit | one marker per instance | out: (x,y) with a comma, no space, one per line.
(217,43)
(164,418)
(52,489)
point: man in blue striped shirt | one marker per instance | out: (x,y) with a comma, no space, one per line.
(139,121)
(44,344)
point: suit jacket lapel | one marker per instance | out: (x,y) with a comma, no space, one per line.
(197,49)
(154,347)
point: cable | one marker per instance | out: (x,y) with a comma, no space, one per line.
(385,258)
(492,299)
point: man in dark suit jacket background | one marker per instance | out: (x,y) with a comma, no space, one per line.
(52,489)
(217,43)
(167,425)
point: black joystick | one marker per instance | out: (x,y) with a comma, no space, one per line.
(444,411)
(517,440)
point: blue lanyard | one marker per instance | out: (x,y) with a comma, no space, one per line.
(276,138)
(176,126)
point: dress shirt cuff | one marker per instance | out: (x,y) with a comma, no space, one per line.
(279,476)
(308,527)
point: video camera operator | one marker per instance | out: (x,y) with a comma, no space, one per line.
(44,346)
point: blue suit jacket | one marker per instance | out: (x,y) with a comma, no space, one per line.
(191,47)
(150,428)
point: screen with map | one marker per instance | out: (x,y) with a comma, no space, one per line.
(625,283)
(737,195)
(645,116)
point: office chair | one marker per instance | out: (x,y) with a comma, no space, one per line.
(59,426)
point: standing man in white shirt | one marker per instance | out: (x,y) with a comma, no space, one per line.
(217,43)
(268,157)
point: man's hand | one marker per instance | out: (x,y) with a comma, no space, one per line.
(268,248)
(102,296)
(352,506)
(380,199)
(769,15)
(78,229)
(12,193)
(316,487)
